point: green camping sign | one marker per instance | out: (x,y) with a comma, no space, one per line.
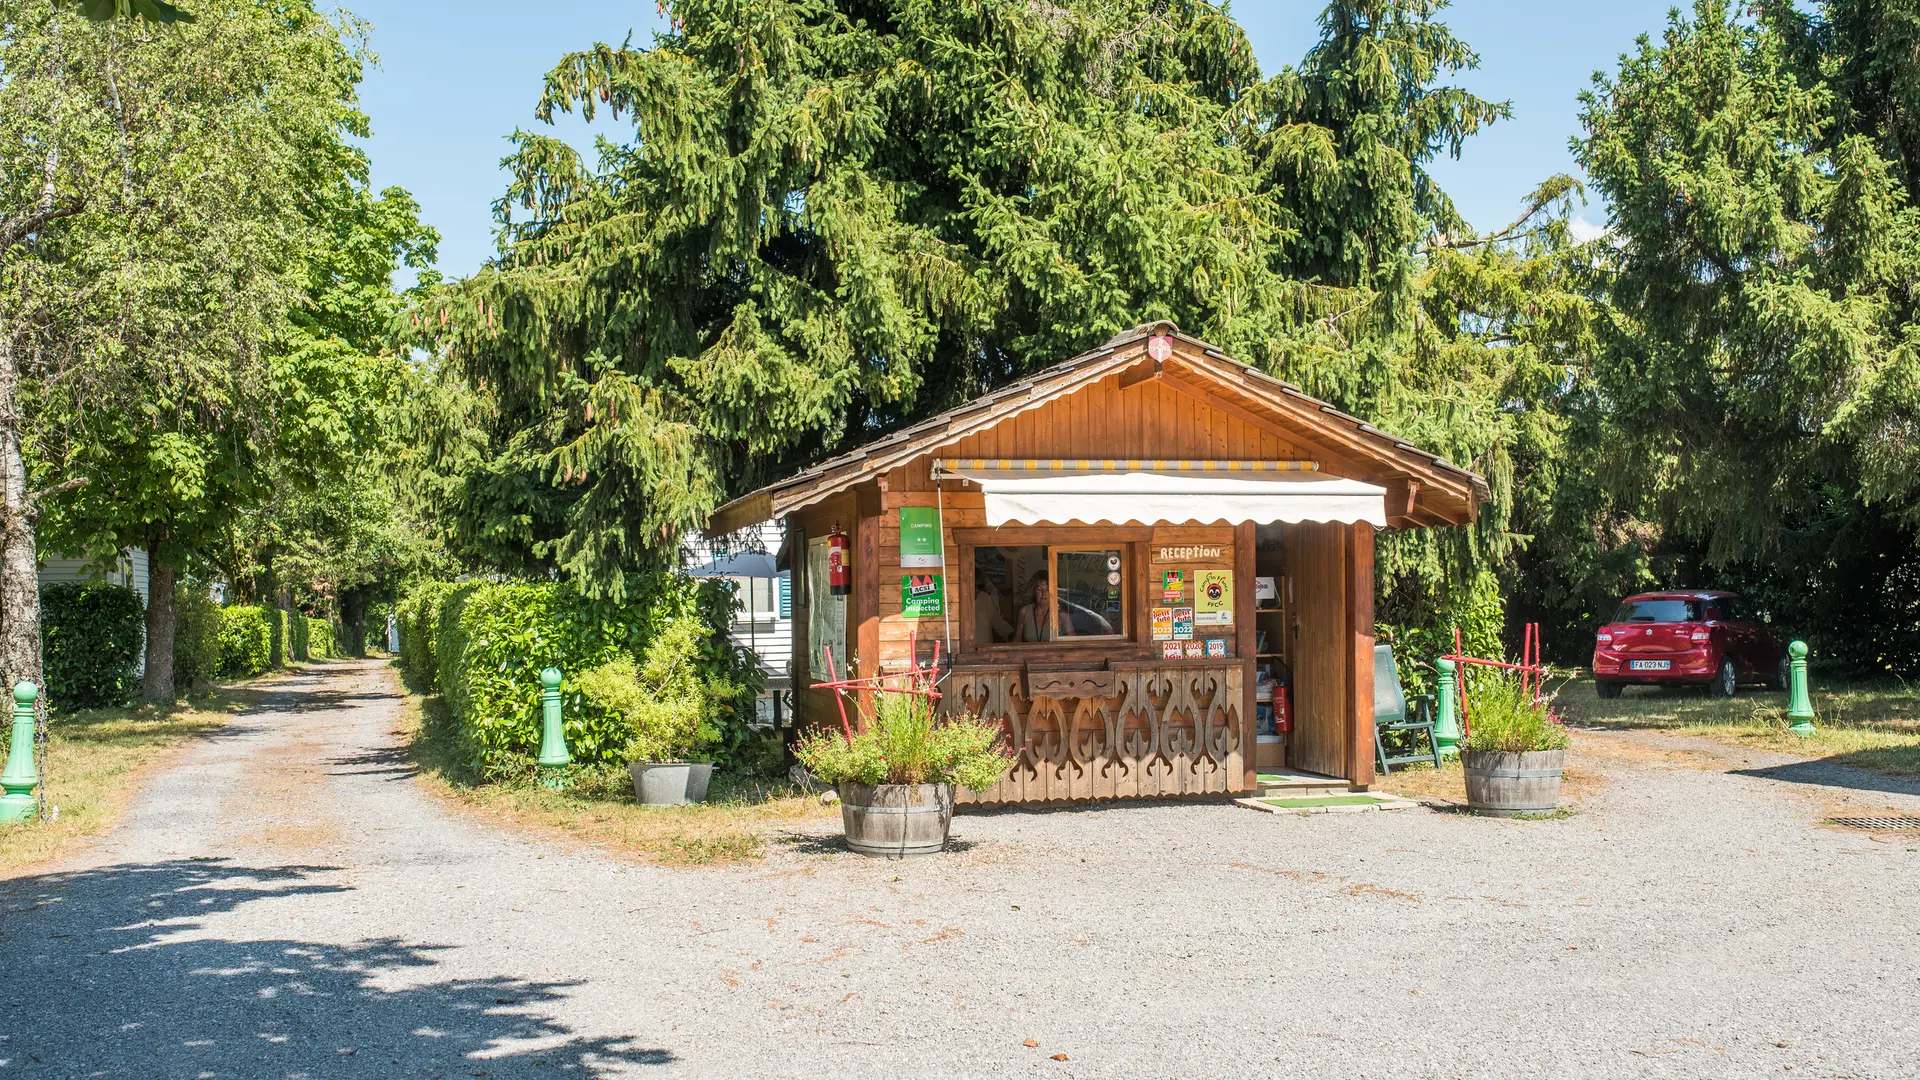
(919,536)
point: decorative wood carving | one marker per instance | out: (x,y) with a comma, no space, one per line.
(1171,729)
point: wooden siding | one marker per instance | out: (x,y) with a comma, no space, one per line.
(1152,419)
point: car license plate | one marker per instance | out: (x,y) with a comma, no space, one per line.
(1650,665)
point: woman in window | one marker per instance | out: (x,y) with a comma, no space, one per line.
(1034,623)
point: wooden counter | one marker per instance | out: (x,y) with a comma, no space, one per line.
(1135,728)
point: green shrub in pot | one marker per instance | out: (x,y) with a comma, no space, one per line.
(1505,716)
(897,774)
(673,709)
(1516,747)
(906,743)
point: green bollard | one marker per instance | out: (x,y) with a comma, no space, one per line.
(18,804)
(1799,701)
(554,757)
(1446,728)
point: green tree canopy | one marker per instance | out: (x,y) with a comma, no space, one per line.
(833,216)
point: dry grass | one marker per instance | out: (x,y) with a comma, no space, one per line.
(1422,781)
(598,806)
(94,760)
(1870,726)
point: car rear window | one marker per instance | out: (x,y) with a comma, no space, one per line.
(1659,611)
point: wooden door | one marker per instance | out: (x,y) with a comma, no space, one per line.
(1317,563)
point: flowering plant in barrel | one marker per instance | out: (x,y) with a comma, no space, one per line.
(1515,750)
(896,775)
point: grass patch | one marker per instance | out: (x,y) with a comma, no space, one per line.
(1867,725)
(1323,800)
(1417,779)
(598,805)
(93,758)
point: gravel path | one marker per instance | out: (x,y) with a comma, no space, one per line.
(285,902)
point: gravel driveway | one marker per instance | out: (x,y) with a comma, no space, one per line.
(285,902)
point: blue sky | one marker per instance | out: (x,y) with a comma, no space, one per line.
(456,79)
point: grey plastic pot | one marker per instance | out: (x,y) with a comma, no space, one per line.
(671,783)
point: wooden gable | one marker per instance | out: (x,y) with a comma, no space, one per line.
(1119,403)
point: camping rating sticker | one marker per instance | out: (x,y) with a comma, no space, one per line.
(919,536)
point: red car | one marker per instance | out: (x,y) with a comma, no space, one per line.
(1706,638)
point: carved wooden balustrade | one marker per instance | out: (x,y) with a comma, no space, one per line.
(1142,729)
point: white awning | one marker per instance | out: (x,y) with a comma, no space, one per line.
(1017,496)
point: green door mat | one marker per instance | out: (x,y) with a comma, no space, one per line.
(1324,800)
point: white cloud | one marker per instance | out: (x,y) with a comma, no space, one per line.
(1584,230)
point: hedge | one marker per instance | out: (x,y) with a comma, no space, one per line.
(299,637)
(246,640)
(196,637)
(419,613)
(321,644)
(91,636)
(483,645)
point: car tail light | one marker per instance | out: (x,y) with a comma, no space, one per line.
(1605,636)
(1700,635)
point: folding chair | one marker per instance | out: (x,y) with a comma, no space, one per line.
(1390,713)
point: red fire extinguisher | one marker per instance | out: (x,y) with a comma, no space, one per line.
(839,574)
(1283,708)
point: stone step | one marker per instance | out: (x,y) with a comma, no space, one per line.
(1289,783)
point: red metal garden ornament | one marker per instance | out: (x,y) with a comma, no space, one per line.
(918,681)
(1533,673)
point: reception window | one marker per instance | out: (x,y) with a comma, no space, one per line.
(1034,593)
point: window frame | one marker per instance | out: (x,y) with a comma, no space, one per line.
(1124,539)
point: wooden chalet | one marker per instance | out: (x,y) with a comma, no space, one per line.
(1123,556)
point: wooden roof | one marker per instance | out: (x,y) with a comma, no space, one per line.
(1422,488)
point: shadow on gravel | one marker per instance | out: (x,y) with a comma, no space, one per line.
(392,762)
(801,843)
(1833,772)
(105,979)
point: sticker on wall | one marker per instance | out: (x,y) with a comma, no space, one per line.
(1195,650)
(1162,623)
(1216,647)
(1171,650)
(1113,562)
(1173,586)
(919,536)
(921,596)
(1113,577)
(1183,624)
(1214,591)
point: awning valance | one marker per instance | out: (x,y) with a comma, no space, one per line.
(1210,496)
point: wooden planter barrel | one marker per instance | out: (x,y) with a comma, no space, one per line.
(893,821)
(1508,784)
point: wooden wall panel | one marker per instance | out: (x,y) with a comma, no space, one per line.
(1146,420)
(1317,564)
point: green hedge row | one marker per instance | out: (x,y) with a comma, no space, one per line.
(249,635)
(482,646)
(320,641)
(196,638)
(91,635)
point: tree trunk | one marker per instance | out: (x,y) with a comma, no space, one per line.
(19,563)
(353,623)
(157,683)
